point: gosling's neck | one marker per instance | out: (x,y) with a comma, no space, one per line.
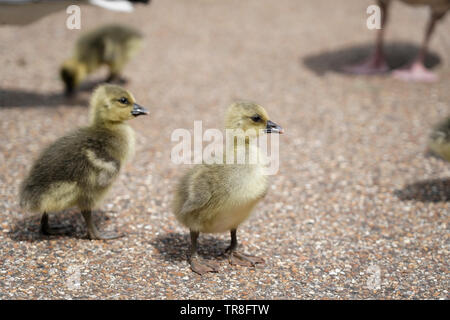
(249,146)
(98,119)
(97,122)
(123,133)
(244,141)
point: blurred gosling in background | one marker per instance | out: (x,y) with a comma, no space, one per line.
(110,45)
(214,198)
(79,168)
(439,142)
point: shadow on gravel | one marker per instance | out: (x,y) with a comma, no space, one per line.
(21,98)
(175,246)
(397,54)
(27,228)
(437,190)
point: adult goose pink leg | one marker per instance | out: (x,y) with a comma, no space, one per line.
(376,63)
(417,71)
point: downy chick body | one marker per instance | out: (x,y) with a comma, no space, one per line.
(79,168)
(218,197)
(111,45)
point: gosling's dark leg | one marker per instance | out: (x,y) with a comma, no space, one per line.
(45,229)
(237,258)
(197,264)
(93,232)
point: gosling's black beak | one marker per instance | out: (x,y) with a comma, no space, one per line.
(138,110)
(272,127)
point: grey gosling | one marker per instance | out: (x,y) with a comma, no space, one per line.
(110,45)
(79,168)
(213,198)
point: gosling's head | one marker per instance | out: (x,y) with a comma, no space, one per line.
(72,73)
(251,118)
(111,103)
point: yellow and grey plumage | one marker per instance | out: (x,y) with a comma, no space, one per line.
(439,142)
(111,45)
(213,198)
(79,168)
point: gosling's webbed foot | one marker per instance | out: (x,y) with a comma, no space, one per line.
(93,232)
(55,230)
(201,267)
(242,259)
(237,258)
(103,235)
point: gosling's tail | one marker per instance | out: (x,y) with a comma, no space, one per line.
(25,196)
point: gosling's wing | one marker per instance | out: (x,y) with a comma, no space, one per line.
(61,161)
(73,157)
(197,192)
(105,167)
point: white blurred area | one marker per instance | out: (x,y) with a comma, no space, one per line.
(23,12)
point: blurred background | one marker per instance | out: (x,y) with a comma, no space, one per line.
(356,190)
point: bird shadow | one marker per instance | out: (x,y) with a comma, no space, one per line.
(397,55)
(28,228)
(175,246)
(436,190)
(11,98)
(24,98)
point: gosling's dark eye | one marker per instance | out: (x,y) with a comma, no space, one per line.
(256,118)
(123,100)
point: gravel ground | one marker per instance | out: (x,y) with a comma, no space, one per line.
(357,210)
